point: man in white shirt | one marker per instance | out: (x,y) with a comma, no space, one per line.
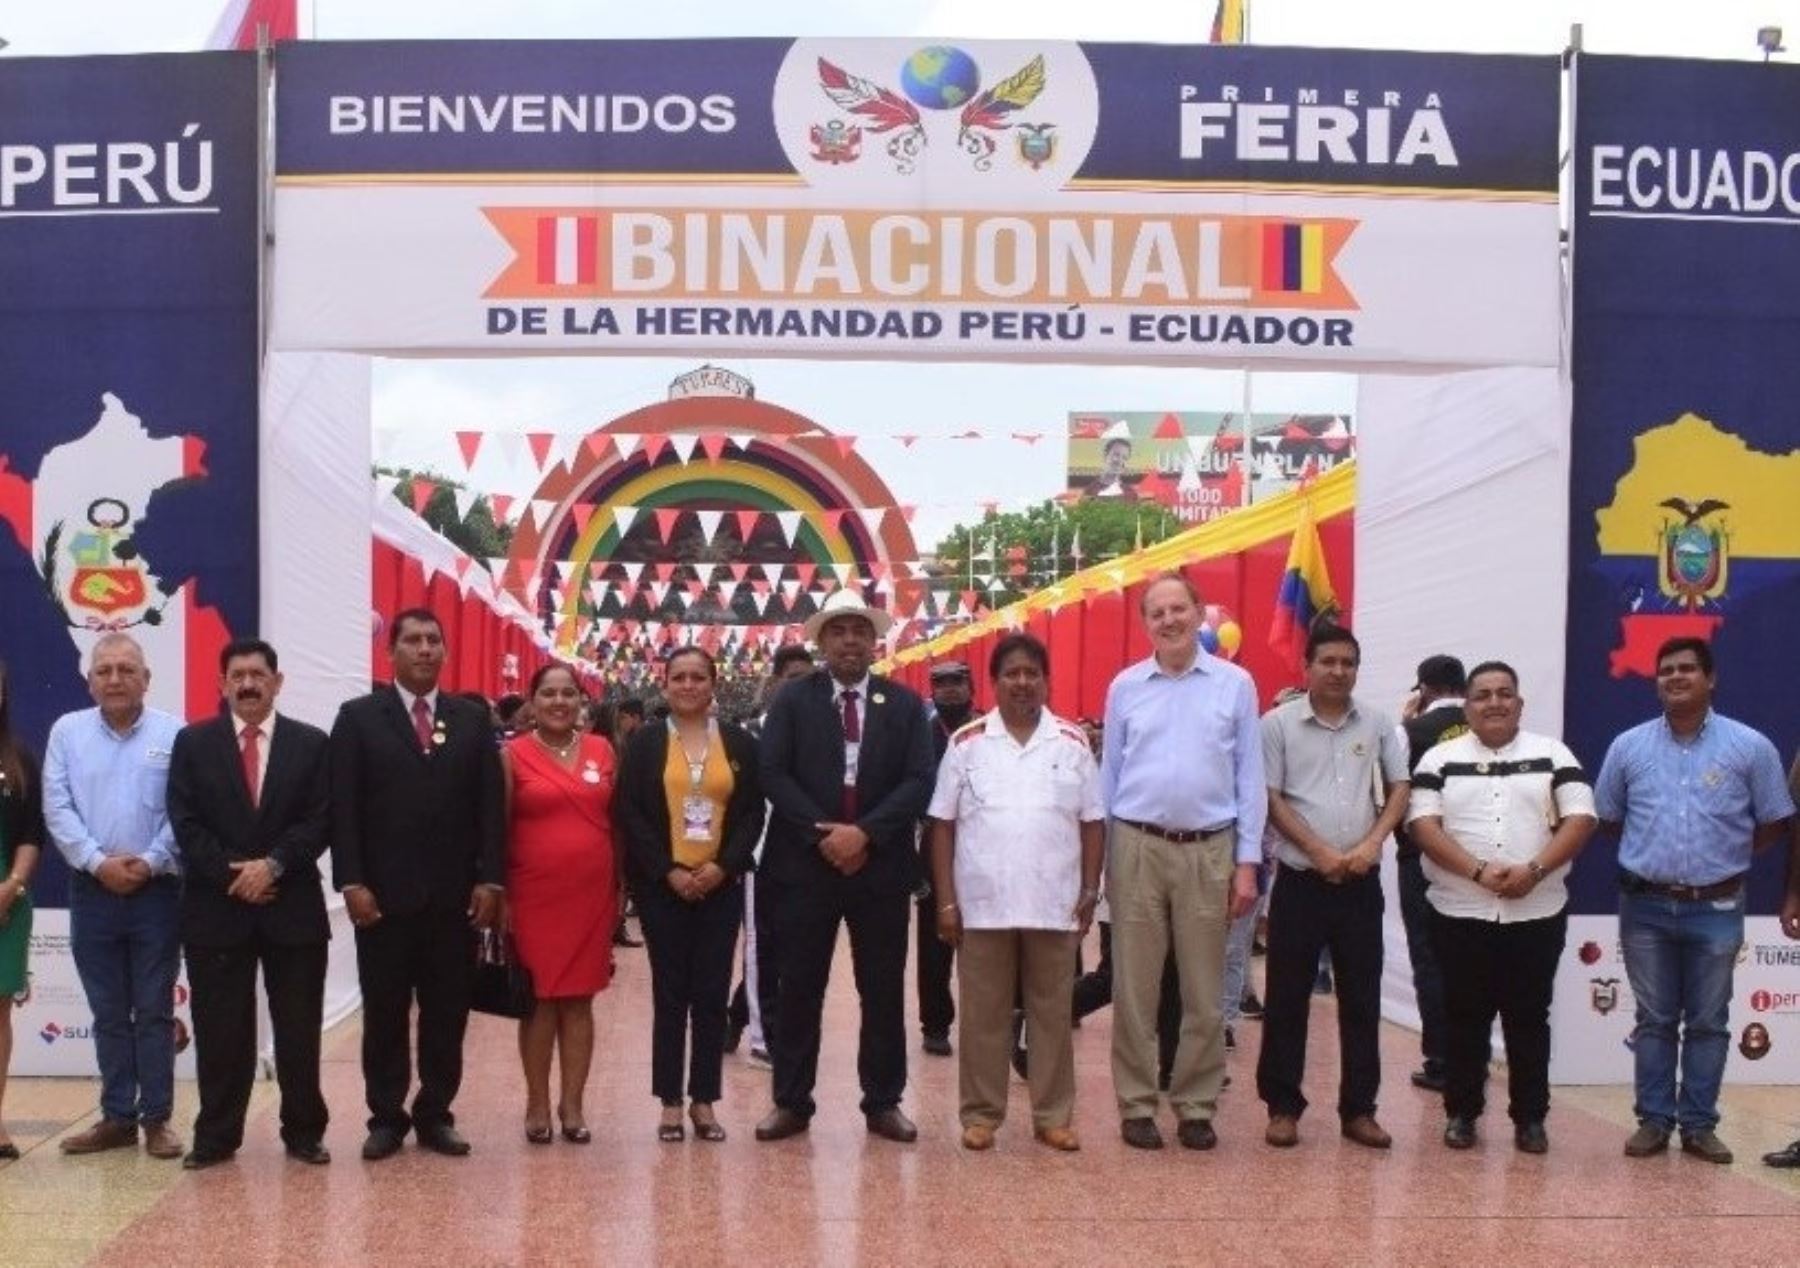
(1499,814)
(1017,837)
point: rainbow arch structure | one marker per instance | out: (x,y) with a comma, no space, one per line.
(791,464)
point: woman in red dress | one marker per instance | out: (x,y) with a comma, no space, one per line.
(562,883)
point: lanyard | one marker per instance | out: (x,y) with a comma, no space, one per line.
(696,769)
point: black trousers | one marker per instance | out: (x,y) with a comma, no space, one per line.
(878,922)
(936,958)
(425,957)
(1506,970)
(691,947)
(1308,914)
(223,985)
(1428,981)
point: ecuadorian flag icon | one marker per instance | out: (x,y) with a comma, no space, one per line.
(1293,257)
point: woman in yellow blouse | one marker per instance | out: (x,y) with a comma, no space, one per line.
(689,810)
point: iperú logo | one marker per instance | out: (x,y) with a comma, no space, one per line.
(1764,1001)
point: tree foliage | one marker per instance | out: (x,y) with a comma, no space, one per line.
(1047,533)
(479,536)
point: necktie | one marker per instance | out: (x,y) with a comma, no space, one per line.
(421,712)
(252,752)
(852,735)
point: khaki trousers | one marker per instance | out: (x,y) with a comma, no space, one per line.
(991,965)
(1164,894)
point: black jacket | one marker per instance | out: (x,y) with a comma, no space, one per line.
(419,830)
(641,806)
(215,825)
(803,778)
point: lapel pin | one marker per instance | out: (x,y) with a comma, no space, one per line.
(877,698)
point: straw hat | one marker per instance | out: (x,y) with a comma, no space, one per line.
(847,603)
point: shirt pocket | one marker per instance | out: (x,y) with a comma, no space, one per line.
(1067,782)
(153,784)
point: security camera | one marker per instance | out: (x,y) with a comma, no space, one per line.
(1768,39)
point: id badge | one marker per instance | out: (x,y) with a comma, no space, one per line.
(696,818)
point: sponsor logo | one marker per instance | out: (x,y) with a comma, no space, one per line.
(1765,1001)
(1778,956)
(1590,953)
(1603,994)
(1754,1043)
(53,1032)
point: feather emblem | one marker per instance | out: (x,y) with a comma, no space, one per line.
(884,109)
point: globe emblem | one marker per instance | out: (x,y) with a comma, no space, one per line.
(940,77)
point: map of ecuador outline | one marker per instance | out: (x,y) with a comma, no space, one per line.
(77,519)
(1699,520)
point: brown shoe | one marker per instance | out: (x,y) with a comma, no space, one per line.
(1647,1140)
(891,1124)
(160,1141)
(1705,1145)
(780,1123)
(1063,1139)
(1141,1133)
(108,1133)
(1283,1131)
(1365,1131)
(978,1136)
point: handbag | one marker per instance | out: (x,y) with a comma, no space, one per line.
(502,985)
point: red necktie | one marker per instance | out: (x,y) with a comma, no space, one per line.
(852,735)
(422,723)
(252,763)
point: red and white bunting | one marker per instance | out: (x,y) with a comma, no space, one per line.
(597,444)
(385,486)
(790,524)
(422,491)
(831,518)
(624,517)
(632,571)
(540,442)
(666,518)
(741,441)
(500,507)
(746,523)
(709,524)
(683,444)
(712,444)
(465,502)
(654,444)
(583,513)
(872,516)
(626,445)
(469,442)
(511,445)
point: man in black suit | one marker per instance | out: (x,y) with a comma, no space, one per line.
(248,799)
(418,848)
(846,765)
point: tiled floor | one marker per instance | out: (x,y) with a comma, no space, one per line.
(837,1197)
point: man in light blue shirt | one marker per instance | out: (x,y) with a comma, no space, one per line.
(1696,795)
(105,773)
(1182,778)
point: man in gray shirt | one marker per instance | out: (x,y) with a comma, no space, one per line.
(1337,788)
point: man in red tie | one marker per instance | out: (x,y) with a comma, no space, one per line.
(249,802)
(418,849)
(847,768)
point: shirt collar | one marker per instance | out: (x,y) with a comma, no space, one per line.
(1307,712)
(265,728)
(861,688)
(136,725)
(1202,665)
(406,698)
(994,725)
(1669,731)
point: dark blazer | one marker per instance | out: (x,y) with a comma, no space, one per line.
(420,830)
(22,809)
(803,778)
(641,805)
(215,825)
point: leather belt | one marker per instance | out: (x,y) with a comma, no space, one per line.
(1178,837)
(1632,883)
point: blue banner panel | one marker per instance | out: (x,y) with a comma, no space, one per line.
(1160,113)
(1331,117)
(128,373)
(1685,477)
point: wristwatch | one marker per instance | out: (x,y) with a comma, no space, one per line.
(1536,869)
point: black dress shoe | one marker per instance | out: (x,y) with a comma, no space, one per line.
(780,1123)
(891,1124)
(443,1139)
(1786,1159)
(383,1142)
(1531,1138)
(311,1152)
(1428,1079)
(201,1159)
(1250,1006)
(1141,1133)
(937,1045)
(1196,1133)
(1459,1133)
(9,1152)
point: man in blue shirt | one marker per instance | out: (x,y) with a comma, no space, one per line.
(105,774)
(1181,776)
(1696,795)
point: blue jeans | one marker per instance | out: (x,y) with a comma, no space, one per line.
(1679,956)
(1237,959)
(127,949)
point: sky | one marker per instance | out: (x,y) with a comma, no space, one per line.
(419,403)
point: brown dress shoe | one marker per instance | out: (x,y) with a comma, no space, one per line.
(1283,1131)
(1141,1133)
(1365,1131)
(780,1123)
(108,1133)
(891,1124)
(1059,1138)
(978,1136)
(160,1141)
(1705,1145)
